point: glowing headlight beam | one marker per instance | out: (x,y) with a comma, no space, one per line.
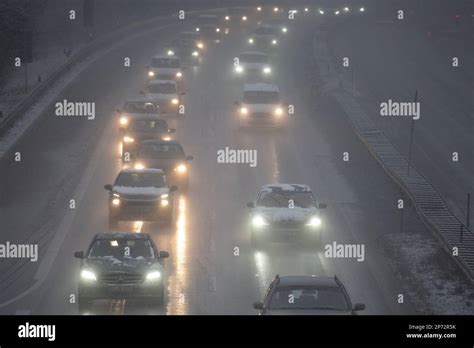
(88,275)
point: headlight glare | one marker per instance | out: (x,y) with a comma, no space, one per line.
(315,221)
(153,276)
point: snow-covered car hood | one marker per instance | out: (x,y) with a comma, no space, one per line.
(261,107)
(165,71)
(150,192)
(285,214)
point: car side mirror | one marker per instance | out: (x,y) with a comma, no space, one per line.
(359,307)
(142,92)
(171,130)
(258,306)
(322,205)
(79,254)
(250,205)
(164,254)
(189,158)
(237,103)
(173,188)
(108,187)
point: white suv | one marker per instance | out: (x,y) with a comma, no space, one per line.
(261,105)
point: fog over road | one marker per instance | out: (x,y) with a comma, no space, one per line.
(72,158)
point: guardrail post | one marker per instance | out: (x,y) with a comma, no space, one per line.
(468,209)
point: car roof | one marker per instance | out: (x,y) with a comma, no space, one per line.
(165,56)
(144,170)
(323,281)
(286,187)
(121,235)
(264,87)
(161,82)
(147,117)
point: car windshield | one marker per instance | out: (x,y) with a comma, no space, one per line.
(165,63)
(254,58)
(164,151)
(266,31)
(261,97)
(122,249)
(283,199)
(140,180)
(148,125)
(162,88)
(141,108)
(309,297)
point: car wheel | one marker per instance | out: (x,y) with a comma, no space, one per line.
(169,218)
(113,222)
(159,299)
(84,305)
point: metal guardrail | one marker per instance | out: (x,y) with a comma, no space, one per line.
(431,207)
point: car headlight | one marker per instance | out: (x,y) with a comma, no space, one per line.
(197,29)
(267,70)
(284,29)
(123,121)
(200,45)
(116,202)
(244,111)
(164,196)
(362,9)
(321,12)
(259,221)
(128,140)
(227,18)
(251,41)
(151,73)
(139,166)
(195,54)
(170,53)
(218,30)
(315,221)
(244,18)
(88,275)
(274,42)
(116,195)
(179,74)
(174,101)
(164,203)
(153,276)
(259,9)
(239,69)
(166,138)
(181,169)
(278,111)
